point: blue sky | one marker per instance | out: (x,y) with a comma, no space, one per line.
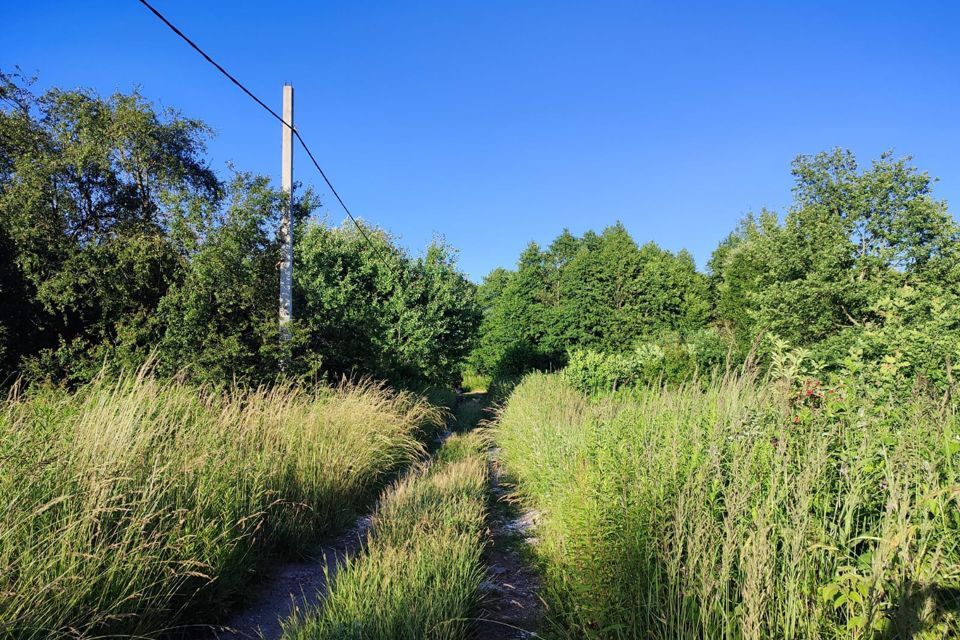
(499,122)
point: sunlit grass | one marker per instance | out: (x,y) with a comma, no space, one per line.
(130,503)
(738,510)
(475,382)
(420,575)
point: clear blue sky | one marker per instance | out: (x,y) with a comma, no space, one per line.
(499,122)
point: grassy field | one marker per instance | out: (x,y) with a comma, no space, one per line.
(740,510)
(128,505)
(420,574)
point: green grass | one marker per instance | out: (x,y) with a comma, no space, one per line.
(740,510)
(420,574)
(130,505)
(475,382)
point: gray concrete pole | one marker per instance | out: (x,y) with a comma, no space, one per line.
(286,220)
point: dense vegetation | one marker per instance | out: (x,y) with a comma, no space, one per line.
(133,506)
(740,509)
(132,503)
(768,449)
(599,291)
(119,243)
(864,266)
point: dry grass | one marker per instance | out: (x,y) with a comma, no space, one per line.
(129,504)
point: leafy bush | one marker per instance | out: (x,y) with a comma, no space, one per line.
(667,359)
(598,372)
(917,338)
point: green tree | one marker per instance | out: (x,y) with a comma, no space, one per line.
(342,289)
(491,340)
(671,294)
(368,308)
(515,324)
(220,320)
(438,317)
(616,293)
(600,291)
(739,269)
(118,243)
(85,182)
(851,239)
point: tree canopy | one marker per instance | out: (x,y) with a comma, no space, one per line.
(119,243)
(853,242)
(594,292)
(862,267)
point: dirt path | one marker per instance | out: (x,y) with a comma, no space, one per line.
(510,606)
(285,587)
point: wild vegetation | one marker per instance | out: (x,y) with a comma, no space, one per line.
(863,266)
(421,572)
(767,449)
(131,505)
(119,244)
(740,509)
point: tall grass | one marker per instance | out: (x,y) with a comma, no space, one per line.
(126,506)
(740,510)
(421,572)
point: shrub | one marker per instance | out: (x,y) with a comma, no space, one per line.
(666,358)
(596,372)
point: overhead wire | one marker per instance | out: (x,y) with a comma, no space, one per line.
(253,96)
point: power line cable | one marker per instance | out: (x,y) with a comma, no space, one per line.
(273,113)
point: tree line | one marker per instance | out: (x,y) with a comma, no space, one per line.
(861,271)
(120,245)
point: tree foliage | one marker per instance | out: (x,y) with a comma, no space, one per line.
(856,266)
(861,271)
(371,308)
(119,243)
(598,292)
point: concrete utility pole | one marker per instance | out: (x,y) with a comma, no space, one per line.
(286,220)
